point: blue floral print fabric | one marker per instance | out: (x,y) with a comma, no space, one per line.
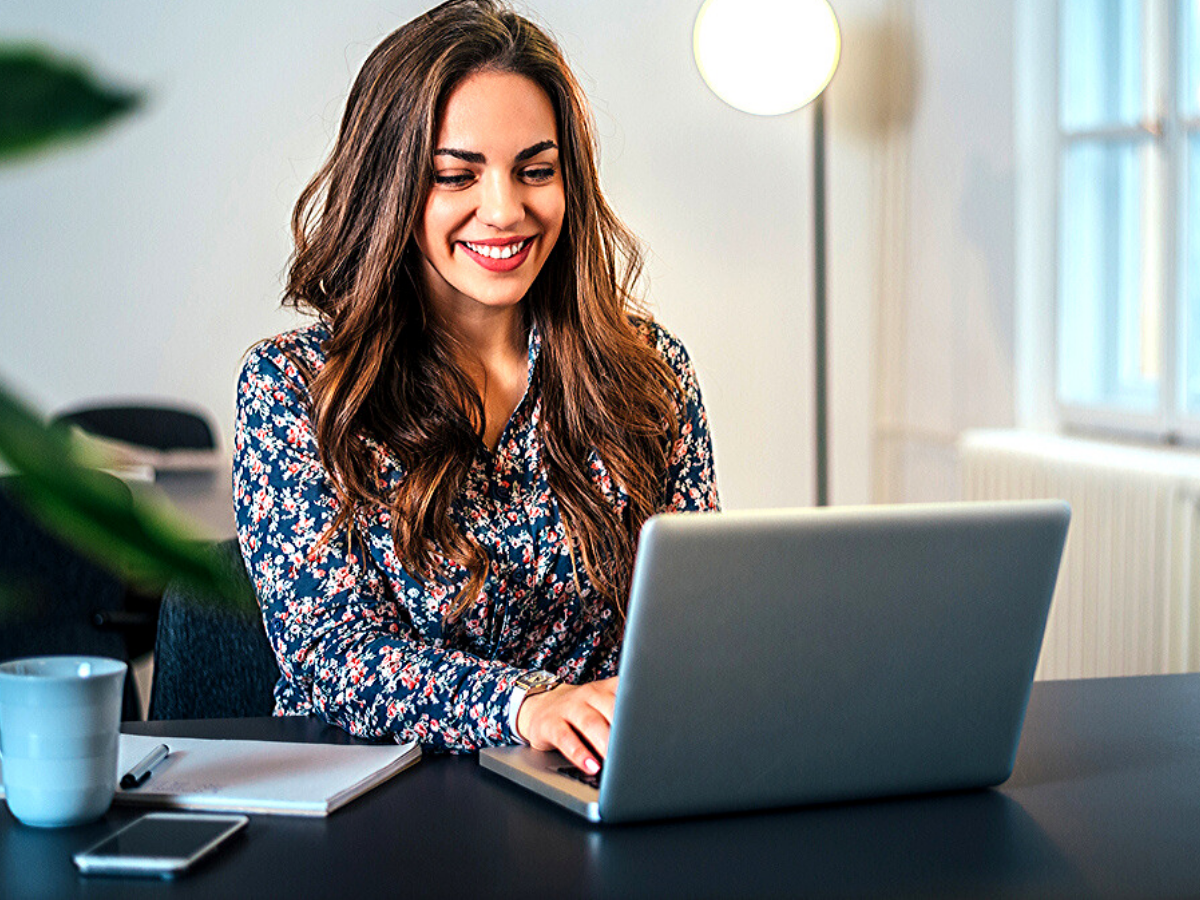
(366,645)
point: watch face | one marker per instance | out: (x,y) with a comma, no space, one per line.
(536,679)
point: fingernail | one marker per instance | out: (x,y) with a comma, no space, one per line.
(591,766)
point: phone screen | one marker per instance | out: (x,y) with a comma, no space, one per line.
(159,843)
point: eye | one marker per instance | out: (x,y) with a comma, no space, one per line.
(452,179)
(538,174)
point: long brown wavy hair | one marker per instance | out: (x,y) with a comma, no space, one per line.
(390,373)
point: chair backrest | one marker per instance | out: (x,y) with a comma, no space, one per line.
(51,596)
(145,425)
(212,660)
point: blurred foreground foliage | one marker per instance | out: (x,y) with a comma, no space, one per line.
(46,100)
(136,536)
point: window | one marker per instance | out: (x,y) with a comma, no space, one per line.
(1128,229)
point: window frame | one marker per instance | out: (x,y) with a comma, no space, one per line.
(1164,128)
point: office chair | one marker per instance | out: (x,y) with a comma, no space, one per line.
(212,660)
(147,431)
(53,600)
(160,428)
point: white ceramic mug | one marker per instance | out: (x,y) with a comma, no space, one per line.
(60,717)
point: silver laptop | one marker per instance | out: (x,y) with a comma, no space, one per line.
(777,658)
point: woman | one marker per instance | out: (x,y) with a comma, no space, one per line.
(440,483)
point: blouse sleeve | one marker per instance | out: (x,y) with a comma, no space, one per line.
(345,644)
(690,484)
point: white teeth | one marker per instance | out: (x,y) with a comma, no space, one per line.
(504,252)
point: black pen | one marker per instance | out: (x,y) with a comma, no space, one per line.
(139,773)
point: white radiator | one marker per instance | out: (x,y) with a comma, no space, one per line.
(1128,595)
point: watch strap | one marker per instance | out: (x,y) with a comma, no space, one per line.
(527,684)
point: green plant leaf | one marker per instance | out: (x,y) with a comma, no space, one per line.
(139,538)
(45,99)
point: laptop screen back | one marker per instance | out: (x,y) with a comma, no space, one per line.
(782,657)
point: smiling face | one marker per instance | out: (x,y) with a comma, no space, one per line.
(496,206)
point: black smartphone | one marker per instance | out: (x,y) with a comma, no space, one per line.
(159,845)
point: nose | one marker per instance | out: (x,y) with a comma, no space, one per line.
(501,204)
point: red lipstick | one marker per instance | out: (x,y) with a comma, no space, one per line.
(492,264)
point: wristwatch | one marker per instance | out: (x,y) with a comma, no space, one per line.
(527,684)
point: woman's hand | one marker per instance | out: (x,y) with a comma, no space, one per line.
(573,719)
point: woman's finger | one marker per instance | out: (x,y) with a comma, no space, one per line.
(604,702)
(570,745)
(593,727)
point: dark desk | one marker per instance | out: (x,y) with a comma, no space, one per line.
(1105,801)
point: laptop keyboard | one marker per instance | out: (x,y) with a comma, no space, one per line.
(592,781)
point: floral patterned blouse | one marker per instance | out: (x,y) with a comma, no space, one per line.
(364,644)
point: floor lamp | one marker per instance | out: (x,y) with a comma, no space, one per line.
(768,58)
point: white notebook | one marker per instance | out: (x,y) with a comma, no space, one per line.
(270,777)
(259,776)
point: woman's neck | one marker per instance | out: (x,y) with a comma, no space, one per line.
(493,353)
(487,338)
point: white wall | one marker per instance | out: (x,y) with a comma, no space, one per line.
(146,261)
(928,122)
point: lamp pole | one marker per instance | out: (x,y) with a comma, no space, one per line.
(820,300)
(772,71)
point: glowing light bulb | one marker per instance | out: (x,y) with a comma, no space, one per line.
(766,57)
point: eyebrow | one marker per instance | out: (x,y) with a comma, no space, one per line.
(473,156)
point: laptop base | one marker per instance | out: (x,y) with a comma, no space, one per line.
(538,771)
